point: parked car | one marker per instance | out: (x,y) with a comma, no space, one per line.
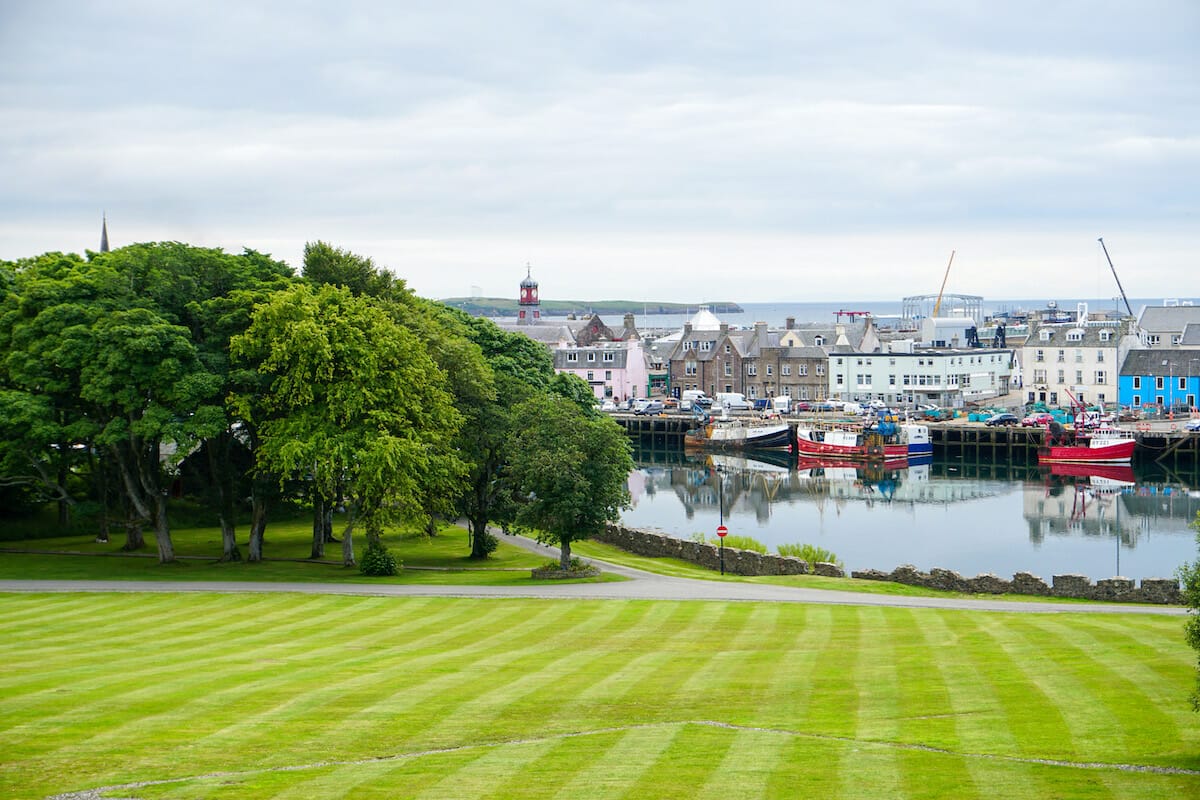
(608,405)
(1003,419)
(1192,425)
(649,407)
(1037,420)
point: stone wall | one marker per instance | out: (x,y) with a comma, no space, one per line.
(1163,591)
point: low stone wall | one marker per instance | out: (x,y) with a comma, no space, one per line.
(737,562)
(1164,591)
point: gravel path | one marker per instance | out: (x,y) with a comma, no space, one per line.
(640,586)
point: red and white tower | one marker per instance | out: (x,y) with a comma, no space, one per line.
(529,310)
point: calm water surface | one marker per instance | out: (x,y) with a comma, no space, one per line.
(969,518)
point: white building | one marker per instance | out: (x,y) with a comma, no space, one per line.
(1081,358)
(908,376)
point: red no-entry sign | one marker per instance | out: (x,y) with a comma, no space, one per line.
(722,530)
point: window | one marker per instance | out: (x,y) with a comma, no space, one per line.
(608,374)
(1078,376)
(608,356)
(704,346)
(1040,356)
(1075,335)
(1045,335)
(728,370)
(1105,335)
(891,380)
(1039,376)
(803,370)
(818,341)
(591,356)
(1158,382)
(1101,377)
(1062,355)
(1137,401)
(1137,382)
(1182,384)
(752,369)
(1078,356)
(770,370)
(728,349)
(687,346)
(591,376)
(1099,356)
(572,357)
(1152,340)
(839,380)
(689,368)
(1062,376)
(785,370)
(820,370)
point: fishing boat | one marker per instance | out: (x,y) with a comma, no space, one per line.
(1104,445)
(878,443)
(917,438)
(740,434)
(1097,473)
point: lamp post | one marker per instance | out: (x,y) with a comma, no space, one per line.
(721,529)
(1191,394)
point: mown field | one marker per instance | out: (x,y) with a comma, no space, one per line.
(295,696)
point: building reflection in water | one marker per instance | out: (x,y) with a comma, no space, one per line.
(928,513)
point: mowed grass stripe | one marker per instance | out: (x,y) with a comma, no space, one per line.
(408,709)
(745,768)
(518,695)
(878,702)
(614,680)
(330,696)
(1118,696)
(688,761)
(969,711)
(489,774)
(1091,732)
(1035,721)
(788,695)
(614,766)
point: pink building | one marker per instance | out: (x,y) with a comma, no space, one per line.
(614,370)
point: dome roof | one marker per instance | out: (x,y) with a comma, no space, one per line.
(705,320)
(528,283)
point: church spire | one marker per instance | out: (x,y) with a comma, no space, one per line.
(104,234)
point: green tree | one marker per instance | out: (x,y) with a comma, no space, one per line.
(1189,575)
(352,402)
(571,470)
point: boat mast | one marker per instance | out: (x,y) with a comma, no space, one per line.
(1114,272)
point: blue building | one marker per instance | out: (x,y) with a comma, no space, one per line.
(1168,379)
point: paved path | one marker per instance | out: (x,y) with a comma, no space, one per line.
(640,586)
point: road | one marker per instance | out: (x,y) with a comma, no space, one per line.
(639,586)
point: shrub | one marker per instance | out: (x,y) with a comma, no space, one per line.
(732,540)
(377,561)
(810,553)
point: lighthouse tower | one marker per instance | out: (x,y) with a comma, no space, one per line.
(529,310)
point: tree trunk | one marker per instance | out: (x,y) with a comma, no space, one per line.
(259,505)
(64,502)
(134,539)
(564,558)
(479,534)
(348,546)
(318,527)
(162,531)
(221,476)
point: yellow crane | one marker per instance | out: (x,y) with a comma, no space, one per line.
(938,304)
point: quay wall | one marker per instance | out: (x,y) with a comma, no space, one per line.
(1163,591)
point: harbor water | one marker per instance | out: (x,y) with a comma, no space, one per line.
(972,519)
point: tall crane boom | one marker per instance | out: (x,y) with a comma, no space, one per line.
(945,277)
(1114,272)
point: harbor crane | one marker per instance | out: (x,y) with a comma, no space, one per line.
(1114,272)
(945,277)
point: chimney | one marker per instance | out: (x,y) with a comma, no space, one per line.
(760,333)
(789,323)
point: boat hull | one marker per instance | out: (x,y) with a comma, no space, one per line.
(754,437)
(1120,452)
(886,452)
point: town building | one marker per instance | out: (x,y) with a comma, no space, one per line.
(1080,358)
(1167,379)
(908,376)
(1167,326)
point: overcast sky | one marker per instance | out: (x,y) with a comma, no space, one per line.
(645,150)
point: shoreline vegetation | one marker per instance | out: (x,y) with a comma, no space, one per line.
(507,307)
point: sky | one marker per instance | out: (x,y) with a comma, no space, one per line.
(666,151)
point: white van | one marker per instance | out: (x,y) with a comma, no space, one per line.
(781,404)
(734,401)
(694,398)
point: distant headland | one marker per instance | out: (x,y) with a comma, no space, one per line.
(505,307)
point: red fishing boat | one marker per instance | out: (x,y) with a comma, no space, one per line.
(1087,443)
(851,443)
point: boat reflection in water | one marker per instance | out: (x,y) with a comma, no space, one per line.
(1091,519)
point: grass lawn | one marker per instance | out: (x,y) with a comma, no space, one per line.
(439,559)
(295,696)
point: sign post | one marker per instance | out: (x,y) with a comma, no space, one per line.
(721,531)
